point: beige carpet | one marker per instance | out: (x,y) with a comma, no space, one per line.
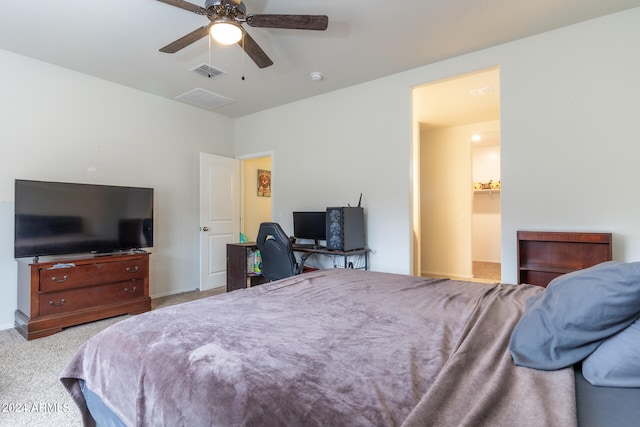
(487,270)
(30,392)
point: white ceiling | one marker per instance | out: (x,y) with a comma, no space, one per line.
(471,98)
(118,40)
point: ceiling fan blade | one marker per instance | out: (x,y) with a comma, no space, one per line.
(185,41)
(186,6)
(293,22)
(255,52)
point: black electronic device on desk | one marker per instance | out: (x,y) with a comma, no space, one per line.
(341,228)
(345,228)
(309,226)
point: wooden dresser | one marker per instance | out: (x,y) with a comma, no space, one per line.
(55,295)
(545,255)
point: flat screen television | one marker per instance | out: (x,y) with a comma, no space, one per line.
(57,218)
(310,225)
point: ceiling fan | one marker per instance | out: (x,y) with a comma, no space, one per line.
(229,15)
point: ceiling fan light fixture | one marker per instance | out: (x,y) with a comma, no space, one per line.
(226,32)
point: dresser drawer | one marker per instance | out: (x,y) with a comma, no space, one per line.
(57,279)
(61,302)
(94,288)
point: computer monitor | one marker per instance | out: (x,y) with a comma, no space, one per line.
(310,225)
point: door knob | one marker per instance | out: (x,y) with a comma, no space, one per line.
(205,228)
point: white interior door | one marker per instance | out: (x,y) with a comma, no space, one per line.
(219,216)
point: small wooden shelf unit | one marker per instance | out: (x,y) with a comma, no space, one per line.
(545,255)
(240,273)
(55,295)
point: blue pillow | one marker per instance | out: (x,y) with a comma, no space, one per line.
(616,362)
(577,311)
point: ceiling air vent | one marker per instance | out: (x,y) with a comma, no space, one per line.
(204,99)
(208,71)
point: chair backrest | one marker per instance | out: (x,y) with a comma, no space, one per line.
(276,252)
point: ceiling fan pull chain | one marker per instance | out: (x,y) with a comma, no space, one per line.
(209,73)
(243,55)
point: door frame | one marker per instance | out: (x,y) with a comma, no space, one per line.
(416,214)
(249,186)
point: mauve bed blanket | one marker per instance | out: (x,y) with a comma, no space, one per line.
(327,348)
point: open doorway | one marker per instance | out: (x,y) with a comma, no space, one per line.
(486,215)
(256,195)
(458,188)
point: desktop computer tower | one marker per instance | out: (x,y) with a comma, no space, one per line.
(345,228)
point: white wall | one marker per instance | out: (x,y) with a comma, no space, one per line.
(329,149)
(446,201)
(569,140)
(570,134)
(485,161)
(60,125)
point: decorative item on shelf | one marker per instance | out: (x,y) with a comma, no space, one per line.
(490,185)
(257,265)
(251,260)
(254,262)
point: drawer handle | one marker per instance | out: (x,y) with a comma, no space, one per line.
(57,305)
(132,270)
(64,279)
(132,289)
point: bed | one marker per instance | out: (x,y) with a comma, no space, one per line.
(333,347)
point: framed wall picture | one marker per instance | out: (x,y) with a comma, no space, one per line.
(264,183)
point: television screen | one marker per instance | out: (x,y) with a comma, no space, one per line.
(310,225)
(55,218)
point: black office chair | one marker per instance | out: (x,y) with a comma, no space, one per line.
(276,252)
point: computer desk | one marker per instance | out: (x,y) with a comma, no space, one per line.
(308,250)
